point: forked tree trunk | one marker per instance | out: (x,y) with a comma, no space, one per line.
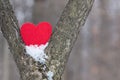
(60,45)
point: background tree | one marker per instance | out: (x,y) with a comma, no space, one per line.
(61,43)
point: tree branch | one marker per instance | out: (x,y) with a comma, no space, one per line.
(60,45)
(64,37)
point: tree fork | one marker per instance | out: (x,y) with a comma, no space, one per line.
(63,38)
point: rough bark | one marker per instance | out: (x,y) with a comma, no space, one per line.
(60,45)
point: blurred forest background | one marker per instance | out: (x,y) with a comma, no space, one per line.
(96,53)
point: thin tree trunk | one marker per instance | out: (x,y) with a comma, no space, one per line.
(60,45)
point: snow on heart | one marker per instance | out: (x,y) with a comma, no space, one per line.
(36,39)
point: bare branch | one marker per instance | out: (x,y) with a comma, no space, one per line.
(64,37)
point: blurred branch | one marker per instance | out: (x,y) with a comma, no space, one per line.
(61,43)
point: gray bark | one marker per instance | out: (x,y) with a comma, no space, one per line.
(60,45)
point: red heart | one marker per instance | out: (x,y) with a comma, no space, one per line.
(36,34)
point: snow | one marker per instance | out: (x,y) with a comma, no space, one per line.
(50,75)
(37,52)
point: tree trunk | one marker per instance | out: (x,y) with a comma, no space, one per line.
(60,45)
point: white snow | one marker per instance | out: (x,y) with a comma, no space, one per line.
(44,67)
(37,52)
(50,75)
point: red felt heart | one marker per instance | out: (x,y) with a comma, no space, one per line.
(36,34)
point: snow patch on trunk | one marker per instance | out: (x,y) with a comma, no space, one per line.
(37,52)
(50,75)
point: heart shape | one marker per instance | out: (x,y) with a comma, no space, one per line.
(36,34)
